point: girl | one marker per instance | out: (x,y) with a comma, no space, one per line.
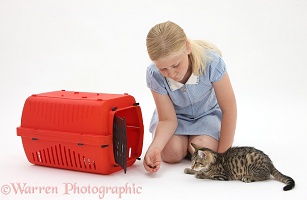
(194,99)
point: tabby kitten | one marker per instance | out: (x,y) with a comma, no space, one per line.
(237,163)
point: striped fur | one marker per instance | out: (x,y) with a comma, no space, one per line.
(237,163)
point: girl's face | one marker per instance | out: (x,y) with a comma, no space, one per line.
(176,67)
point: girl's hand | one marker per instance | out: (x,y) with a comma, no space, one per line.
(152,160)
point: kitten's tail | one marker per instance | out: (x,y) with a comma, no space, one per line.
(283,178)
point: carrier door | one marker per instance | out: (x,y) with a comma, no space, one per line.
(120,141)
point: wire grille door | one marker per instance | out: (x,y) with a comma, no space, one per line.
(120,142)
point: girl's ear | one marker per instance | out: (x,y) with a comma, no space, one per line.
(189,48)
(202,154)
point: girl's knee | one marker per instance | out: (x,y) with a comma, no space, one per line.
(204,141)
(173,155)
(174,151)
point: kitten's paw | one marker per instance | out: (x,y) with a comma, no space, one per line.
(199,175)
(188,171)
(246,180)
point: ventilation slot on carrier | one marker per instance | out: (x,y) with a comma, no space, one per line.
(62,156)
(120,142)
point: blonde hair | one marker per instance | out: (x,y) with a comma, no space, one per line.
(167,39)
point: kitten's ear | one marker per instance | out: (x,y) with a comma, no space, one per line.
(202,154)
(195,146)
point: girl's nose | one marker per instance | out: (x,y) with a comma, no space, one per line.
(171,73)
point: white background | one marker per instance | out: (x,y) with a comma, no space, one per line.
(99,46)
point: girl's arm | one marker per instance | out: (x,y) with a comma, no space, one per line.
(227,102)
(165,129)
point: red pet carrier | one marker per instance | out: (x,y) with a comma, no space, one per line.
(90,132)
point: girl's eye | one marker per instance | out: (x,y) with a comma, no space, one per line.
(176,65)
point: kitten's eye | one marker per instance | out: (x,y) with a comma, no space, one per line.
(198,163)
